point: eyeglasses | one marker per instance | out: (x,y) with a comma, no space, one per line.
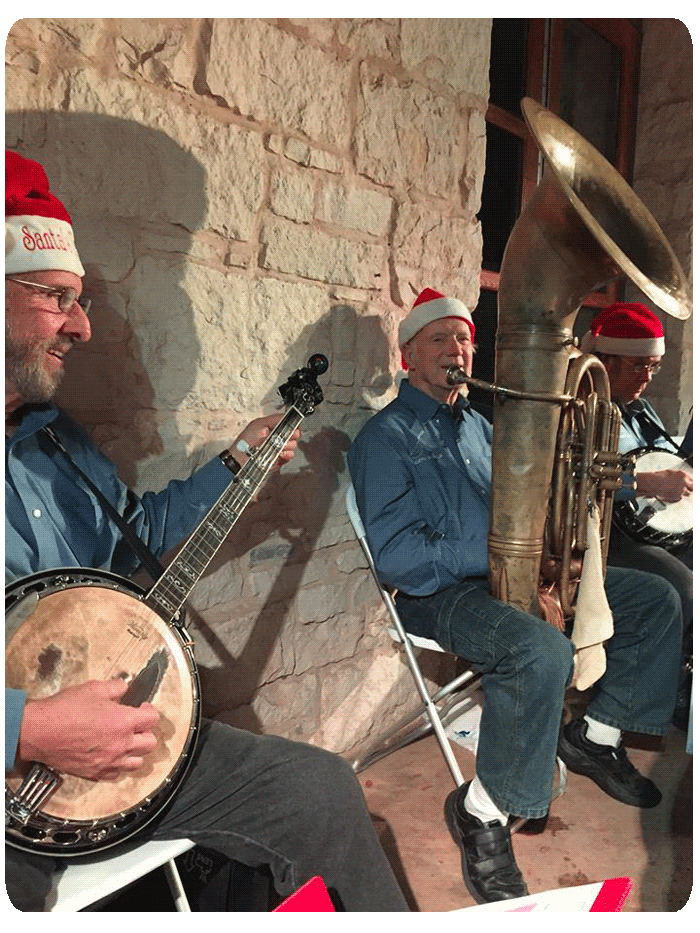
(66,297)
(650,369)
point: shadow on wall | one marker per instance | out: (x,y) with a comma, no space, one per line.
(294,507)
(136,198)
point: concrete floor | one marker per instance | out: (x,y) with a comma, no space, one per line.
(586,838)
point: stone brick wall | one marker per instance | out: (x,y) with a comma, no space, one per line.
(248,192)
(245,193)
(663,178)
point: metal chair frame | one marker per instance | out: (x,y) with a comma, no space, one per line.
(451,697)
(439,708)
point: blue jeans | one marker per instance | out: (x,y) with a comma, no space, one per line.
(527,666)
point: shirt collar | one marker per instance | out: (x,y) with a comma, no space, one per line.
(631,409)
(32,418)
(424,406)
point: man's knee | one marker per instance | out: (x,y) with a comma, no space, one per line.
(321,780)
(548,654)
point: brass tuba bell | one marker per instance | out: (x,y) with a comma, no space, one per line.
(583,227)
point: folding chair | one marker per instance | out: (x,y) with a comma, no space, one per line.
(88,879)
(440,708)
(451,697)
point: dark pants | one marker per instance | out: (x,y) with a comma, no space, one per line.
(262,800)
(676,568)
(528,664)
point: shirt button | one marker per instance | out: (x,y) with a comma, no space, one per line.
(37,513)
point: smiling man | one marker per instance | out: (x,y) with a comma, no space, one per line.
(43,284)
(34,355)
(261,800)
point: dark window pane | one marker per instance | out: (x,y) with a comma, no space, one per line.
(500,201)
(591,67)
(485,324)
(507,67)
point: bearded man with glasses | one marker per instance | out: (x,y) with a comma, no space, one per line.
(260,800)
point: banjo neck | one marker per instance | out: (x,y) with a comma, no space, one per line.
(75,624)
(169,594)
(174,587)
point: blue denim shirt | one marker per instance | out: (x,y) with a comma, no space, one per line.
(636,433)
(423,484)
(53,520)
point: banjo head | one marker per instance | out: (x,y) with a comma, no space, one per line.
(69,627)
(668,525)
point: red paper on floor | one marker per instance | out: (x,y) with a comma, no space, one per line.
(603,896)
(312,896)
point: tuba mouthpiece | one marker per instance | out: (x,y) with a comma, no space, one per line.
(456,376)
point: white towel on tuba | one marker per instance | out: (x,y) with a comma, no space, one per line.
(593,621)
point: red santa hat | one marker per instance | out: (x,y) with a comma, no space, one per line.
(431,306)
(625,329)
(38,230)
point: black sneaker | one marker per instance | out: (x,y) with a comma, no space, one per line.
(609,767)
(488,863)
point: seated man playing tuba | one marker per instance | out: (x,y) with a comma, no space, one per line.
(421,468)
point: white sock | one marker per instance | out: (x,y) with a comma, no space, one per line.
(601,734)
(479,804)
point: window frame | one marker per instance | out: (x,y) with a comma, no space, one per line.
(543,80)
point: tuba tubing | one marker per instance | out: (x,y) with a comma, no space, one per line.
(582,228)
(456,376)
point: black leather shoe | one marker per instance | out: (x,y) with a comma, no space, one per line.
(488,863)
(609,767)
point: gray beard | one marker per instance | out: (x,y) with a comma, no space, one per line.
(24,370)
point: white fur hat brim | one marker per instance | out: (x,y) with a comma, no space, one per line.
(427,312)
(35,243)
(623,346)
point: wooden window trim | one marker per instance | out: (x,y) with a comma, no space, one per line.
(621,33)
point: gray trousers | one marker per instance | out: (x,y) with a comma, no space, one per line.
(261,800)
(676,568)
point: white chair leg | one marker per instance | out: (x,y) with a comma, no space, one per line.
(176,888)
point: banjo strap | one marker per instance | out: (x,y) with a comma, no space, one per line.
(651,430)
(147,558)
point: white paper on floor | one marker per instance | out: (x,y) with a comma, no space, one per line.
(462,725)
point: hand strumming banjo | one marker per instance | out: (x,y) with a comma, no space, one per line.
(650,521)
(68,626)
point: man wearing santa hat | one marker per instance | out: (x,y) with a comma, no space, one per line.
(421,469)
(629,340)
(259,800)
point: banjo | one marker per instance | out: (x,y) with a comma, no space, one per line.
(68,626)
(650,521)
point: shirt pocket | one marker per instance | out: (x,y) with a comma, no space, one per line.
(434,474)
